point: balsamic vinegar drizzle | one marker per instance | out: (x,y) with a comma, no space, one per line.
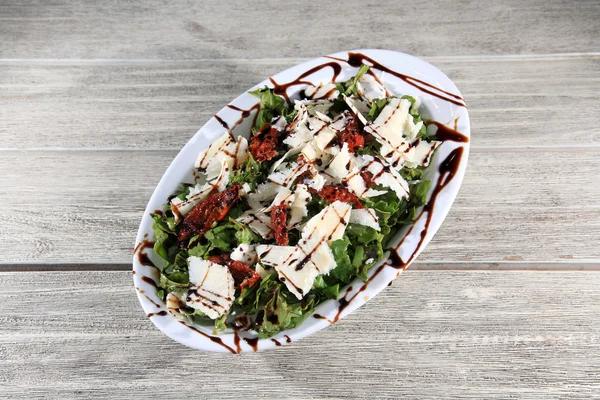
(223,123)
(252,342)
(143,257)
(444,133)
(281,88)
(212,338)
(244,114)
(357,59)
(157,314)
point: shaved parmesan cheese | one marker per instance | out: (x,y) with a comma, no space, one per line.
(389,177)
(258,222)
(261,271)
(280,124)
(420,153)
(246,188)
(395,129)
(306,128)
(298,208)
(264,192)
(365,216)
(286,175)
(284,197)
(173,303)
(329,224)
(211,287)
(244,253)
(352,103)
(311,152)
(369,88)
(340,165)
(225,148)
(285,259)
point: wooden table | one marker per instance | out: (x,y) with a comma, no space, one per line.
(96,98)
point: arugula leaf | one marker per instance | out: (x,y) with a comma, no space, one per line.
(321,287)
(250,172)
(271,106)
(344,270)
(377,105)
(352,84)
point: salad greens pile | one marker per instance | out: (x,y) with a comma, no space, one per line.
(268,306)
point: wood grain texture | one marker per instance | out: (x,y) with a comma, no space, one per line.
(513,102)
(238,29)
(78,206)
(432,334)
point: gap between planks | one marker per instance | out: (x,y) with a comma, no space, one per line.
(475,266)
(482,57)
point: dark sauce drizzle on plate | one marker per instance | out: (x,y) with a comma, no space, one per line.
(358,59)
(281,88)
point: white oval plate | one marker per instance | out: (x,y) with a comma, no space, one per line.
(401,74)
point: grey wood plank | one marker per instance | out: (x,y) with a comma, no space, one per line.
(237,29)
(513,102)
(514,206)
(431,334)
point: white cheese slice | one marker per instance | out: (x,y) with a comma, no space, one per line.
(323,91)
(211,287)
(300,132)
(173,303)
(246,189)
(395,129)
(357,185)
(225,148)
(340,165)
(307,127)
(284,197)
(298,208)
(353,104)
(263,193)
(288,173)
(311,152)
(316,182)
(261,271)
(329,224)
(389,177)
(420,153)
(280,124)
(258,222)
(365,216)
(284,259)
(369,88)
(245,253)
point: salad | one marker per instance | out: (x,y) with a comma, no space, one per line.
(277,224)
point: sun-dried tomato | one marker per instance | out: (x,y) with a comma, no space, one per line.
(211,210)
(279,222)
(219,258)
(243,275)
(368,178)
(352,135)
(331,193)
(266,144)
